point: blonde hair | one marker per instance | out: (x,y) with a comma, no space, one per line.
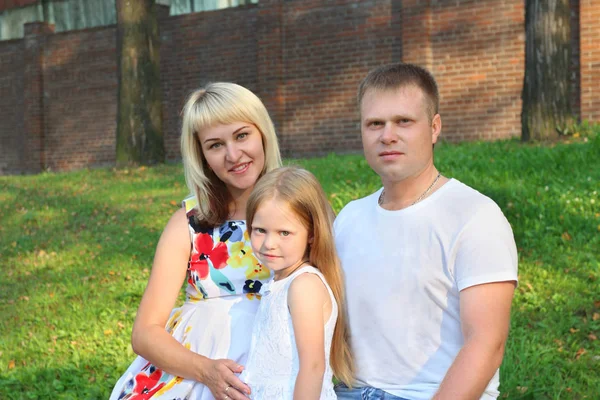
(220,103)
(304,195)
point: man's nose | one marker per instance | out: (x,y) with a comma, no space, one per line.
(388,134)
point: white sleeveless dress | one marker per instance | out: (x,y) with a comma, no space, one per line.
(273,363)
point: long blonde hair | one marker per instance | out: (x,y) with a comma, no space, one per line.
(304,195)
(220,103)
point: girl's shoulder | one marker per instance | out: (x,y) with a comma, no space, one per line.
(308,281)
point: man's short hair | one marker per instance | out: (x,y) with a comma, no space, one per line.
(400,75)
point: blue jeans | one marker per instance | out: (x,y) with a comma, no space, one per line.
(363,393)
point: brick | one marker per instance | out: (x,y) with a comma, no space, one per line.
(304,59)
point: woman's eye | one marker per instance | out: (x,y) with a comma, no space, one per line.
(215,146)
(285,233)
(242,135)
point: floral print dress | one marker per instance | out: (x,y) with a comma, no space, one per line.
(216,320)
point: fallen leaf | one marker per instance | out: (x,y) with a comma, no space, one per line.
(11,364)
(108,332)
(573,330)
(173,203)
(596,316)
(580,352)
(566,236)
(591,336)
(529,286)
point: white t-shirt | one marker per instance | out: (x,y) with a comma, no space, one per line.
(404,270)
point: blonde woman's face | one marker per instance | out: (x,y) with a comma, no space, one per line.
(234,152)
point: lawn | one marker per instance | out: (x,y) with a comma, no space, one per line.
(76,249)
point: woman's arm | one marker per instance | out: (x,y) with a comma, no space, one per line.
(149,338)
(310,308)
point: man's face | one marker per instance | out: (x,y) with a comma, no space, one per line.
(396,132)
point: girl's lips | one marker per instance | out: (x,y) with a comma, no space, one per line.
(269,256)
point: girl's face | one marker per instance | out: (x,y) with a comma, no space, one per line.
(234,152)
(279,239)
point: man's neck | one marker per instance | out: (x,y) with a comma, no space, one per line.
(409,191)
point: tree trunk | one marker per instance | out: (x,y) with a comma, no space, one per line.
(139,115)
(546,89)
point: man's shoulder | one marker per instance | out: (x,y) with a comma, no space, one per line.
(463,196)
(465,206)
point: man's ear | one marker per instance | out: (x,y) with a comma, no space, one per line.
(436,128)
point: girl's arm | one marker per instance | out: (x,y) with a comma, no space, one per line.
(310,308)
(149,338)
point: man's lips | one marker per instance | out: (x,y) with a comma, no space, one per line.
(390,155)
(240,168)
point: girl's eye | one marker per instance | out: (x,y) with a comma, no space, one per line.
(259,230)
(284,233)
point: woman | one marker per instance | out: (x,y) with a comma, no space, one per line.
(227,143)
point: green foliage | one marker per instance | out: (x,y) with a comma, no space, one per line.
(76,250)
(581,129)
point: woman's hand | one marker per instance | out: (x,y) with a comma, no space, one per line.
(219,376)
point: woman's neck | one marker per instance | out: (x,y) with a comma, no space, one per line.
(237,207)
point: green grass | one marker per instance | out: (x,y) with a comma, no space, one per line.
(76,249)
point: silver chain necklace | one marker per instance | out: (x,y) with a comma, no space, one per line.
(380,201)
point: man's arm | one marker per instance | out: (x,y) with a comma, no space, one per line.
(485,321)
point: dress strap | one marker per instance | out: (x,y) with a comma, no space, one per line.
(189,203)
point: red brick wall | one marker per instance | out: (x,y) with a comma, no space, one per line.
(11,106)
(590,59)
(329,47)
(478,60)
(199,48)
(80,99)
(304,58)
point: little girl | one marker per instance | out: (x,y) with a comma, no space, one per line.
(299,340)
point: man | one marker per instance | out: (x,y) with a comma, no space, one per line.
(430,263)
